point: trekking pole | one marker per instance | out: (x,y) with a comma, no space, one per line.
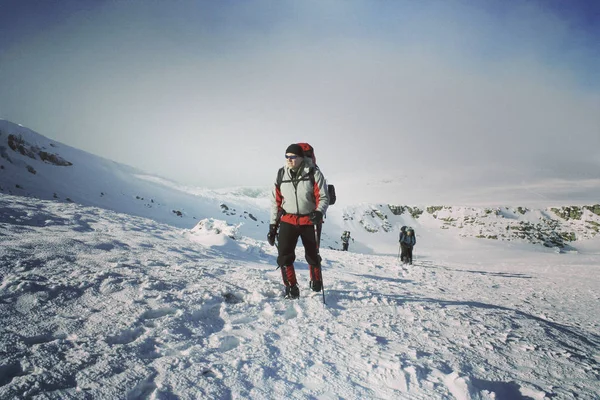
(399,247)
(317,238)
(277,238)
(277,247)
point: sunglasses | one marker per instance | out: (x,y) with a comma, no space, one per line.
(291,157)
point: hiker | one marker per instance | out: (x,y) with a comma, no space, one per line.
(345,240)
(407,242)
(402,246)
(299,202)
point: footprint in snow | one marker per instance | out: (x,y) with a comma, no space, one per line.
(268,311)
(229,343)
(292,311)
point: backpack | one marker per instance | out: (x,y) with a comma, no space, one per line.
(311,177)
(414,236)
(309,152)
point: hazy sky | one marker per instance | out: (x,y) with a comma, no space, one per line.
(212,92)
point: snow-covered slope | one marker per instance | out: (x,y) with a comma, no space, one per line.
(562,227)
(33,165)
(117,284)
(100,305)
(28,167)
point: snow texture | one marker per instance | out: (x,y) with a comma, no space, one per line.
(97,304)
(119,285)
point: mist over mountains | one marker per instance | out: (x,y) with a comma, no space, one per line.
(34,166)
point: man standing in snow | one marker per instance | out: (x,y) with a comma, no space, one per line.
(299,201)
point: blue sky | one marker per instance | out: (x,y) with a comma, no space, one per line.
(175,87)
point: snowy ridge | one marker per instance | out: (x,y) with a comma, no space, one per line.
(115,306)
(93,181)
(68,174)
(558,227)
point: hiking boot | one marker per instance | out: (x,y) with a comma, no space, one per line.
(292,292)
(316,286)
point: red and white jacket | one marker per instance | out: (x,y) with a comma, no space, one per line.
(296,198)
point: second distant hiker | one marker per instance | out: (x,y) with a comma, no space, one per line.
(345,240)
(408,240)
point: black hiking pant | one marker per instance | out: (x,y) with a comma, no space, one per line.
(288,239)
(406,253)
(345,246)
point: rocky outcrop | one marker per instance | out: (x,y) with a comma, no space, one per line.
(21,146)
(552,227)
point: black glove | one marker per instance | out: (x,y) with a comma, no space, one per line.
(271,235)
(316,217)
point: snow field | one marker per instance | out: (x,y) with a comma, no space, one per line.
(95,304)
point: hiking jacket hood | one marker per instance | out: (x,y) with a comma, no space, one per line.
(297,196)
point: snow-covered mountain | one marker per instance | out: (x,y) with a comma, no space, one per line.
(558,227)
(35,166)
(116,284)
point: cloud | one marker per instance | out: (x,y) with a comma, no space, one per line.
(212,95)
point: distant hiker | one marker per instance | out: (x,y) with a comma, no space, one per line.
(402,251)
(407,242)
(402,233)
(299,201)
(345,240)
